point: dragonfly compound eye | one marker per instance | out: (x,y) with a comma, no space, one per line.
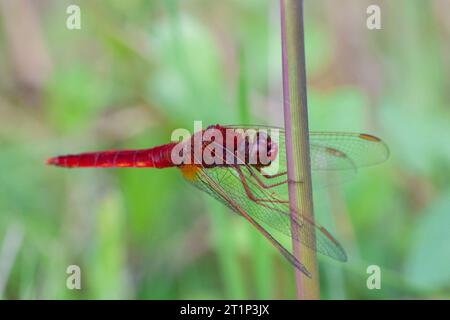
(261,149)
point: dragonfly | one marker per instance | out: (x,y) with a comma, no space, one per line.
(244,167)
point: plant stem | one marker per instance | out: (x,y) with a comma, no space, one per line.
(297,139)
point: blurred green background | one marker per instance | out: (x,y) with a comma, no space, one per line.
(139,69)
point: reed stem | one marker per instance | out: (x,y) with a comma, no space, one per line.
(297,139)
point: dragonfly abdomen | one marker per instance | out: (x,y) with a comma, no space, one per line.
(158,157)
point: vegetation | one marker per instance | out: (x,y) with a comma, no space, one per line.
(139,69)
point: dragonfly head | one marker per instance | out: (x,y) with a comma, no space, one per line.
(263,148)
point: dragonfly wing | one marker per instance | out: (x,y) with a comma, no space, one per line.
(361,149)
(333,150)
(271,208)
(207,181)
(335,156)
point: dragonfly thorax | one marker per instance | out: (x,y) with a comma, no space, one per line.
(221,146)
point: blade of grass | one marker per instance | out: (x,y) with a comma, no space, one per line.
(8,254)
(244,112)
(261,262)
(222,229)
(297,138)
(228,256)
(108,263)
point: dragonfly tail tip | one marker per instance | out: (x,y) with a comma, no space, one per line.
(51,161)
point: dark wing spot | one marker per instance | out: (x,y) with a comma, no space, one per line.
(336,152)
(369,137)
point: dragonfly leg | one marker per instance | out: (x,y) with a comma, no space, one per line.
(268,186)
(271,176)
(249,192)
(260,201)
(264,185)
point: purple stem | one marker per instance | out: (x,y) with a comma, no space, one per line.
(297,136)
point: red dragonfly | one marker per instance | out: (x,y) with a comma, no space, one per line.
(248,174)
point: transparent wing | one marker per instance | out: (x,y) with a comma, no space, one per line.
(261,196)
(333,150)
(212,181)
(360,149)
(244,189)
